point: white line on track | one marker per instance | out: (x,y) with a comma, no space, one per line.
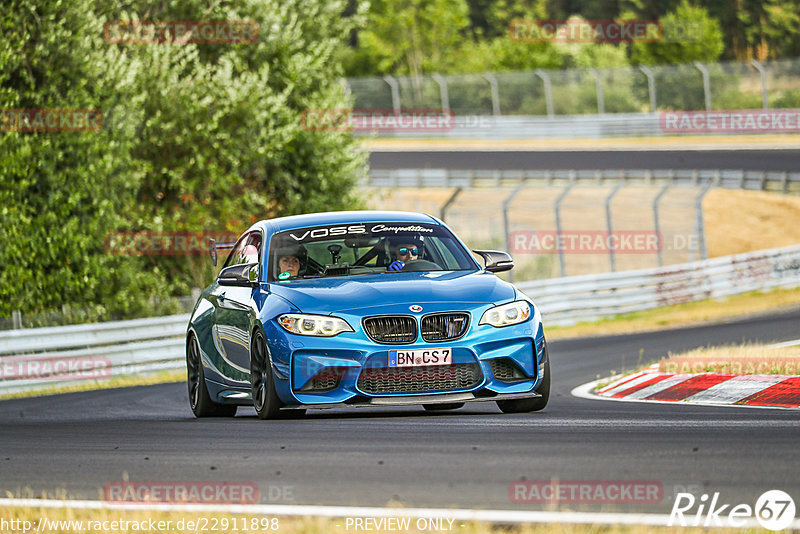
(490,516)
(784,344)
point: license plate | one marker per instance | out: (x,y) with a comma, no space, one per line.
(420,357)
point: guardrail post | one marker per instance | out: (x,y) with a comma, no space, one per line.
(706,83)
(598,87)
(763,72)
(657,224)
(346,88)
(16,319)
(506,224)
(395,92)
(449,202)
(557,207)
(651,86)
(700,228)
(495,92)
(610,226)
(548,90)
(445,97)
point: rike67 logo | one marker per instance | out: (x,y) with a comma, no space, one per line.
(774,510)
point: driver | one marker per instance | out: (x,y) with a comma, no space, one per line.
(404,252)
(290,261)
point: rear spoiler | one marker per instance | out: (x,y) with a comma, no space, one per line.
(213,246)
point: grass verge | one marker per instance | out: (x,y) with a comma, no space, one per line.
(749,359)
(123,381)
(681,315)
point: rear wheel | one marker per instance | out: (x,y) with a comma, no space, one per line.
(265,399)
(199,399)
(531,405)
(443,407)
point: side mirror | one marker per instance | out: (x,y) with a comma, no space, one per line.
(495,260)
(247,275)
(213,246)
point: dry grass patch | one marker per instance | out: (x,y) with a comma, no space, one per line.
(743,221)
(124,381)
(749,359)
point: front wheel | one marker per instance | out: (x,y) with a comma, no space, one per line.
(265,399)
(199,398)
(535,404)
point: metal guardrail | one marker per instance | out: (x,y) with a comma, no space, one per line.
(32,359)
(573,299)
(40,358)
(535,127)
(779,181)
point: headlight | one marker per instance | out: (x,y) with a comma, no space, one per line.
(313,325)
(512,313)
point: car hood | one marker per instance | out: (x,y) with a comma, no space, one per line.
(342,295)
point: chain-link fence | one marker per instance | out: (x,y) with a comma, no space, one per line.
(570,226)
(697,86)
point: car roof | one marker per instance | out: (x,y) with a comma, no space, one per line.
(346,217)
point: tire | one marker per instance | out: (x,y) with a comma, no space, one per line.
(265,399)
(535,404)
(443,407)
(199,399)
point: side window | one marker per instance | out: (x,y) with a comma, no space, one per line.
(251,253)
(247,250)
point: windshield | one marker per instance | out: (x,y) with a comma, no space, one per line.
(351,250)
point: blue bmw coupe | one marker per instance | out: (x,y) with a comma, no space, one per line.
(362,308)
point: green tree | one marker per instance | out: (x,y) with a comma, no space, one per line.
(415,37)
(197,137)
(62,192)
(690,34)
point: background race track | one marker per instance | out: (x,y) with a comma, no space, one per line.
(758,160)
(80,442)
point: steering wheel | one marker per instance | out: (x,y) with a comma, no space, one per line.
(420,265)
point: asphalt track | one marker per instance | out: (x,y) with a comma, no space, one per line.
(759,160)
(79,442)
